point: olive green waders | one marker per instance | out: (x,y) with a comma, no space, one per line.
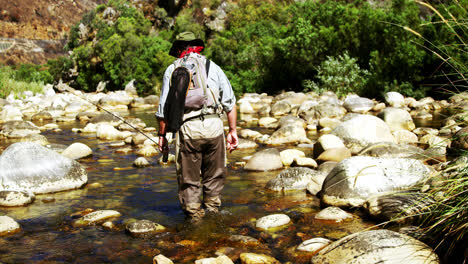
(201,166)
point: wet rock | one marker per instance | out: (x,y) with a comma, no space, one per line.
(355,179)
(421,131)
(219,260)
(327,167)
(141,162)
(143,228)
(96,217)
(86,116)
(16,198)
(434,141)
(358,104)
(272,221)
(295,178)
(394,99)
(131,124)
(405,136)
(77,151)
(118,98)
(314,244)
(335,154)
(290,134)
(36,138)
(362,130)
(161,259)
(333,213)
(42,116)
(30,166)
(315,185)
(246,144)
(8,225)
(323,109)
(288,156)
(392,150)
(245,240)
(249,134)
(105,118)
(401,207)
(19,129)
(265,160)
(376,246)
(328,123)
(397,119)
(252,258)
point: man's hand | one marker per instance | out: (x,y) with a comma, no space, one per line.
(163,144)
(232,140)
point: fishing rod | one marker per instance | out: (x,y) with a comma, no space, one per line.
(72,91)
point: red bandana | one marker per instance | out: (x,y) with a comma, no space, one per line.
(197,49)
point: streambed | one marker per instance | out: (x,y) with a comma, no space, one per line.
(150,193)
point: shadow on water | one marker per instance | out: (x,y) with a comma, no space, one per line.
(150,193)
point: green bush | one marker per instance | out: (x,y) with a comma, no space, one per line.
(341,75)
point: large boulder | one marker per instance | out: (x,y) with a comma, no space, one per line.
(296,178)
(279,108)
(376,246)
(355,179)
(394,99)
(397,119)
(77,151)
(323,109)
(265,160)
(32,167)
(362,130)
(392,150)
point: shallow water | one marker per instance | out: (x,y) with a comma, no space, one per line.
(47,235)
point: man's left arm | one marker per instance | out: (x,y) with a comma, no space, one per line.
(232,139)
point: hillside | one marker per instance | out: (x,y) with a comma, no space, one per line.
(22,24)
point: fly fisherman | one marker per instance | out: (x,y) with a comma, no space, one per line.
(200,143)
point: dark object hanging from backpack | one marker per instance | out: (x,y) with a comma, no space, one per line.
(174,107)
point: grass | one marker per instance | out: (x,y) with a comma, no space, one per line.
(9,85)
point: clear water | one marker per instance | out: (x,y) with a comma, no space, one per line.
(47,235)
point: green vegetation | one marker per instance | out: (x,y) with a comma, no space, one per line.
(27,78)
(271,46)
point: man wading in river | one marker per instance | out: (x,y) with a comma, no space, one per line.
(193,113)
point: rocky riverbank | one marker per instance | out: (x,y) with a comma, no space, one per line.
(352,154)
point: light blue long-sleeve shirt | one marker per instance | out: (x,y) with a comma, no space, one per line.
(216,81)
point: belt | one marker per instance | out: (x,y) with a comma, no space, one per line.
(201,117)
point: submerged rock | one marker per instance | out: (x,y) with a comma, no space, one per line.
(144,227)
(30,166)
(272,221)
(355,179)
(252,258)
(16,198)
(376,246)
(96,217)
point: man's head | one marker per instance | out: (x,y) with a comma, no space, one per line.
(184,40)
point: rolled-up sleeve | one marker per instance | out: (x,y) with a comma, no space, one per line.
(164,91)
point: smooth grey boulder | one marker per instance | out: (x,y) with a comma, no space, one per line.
(16,198)
(397,119)
(291,120)
(376,246)
(19,129)
(356,104)
(279,108)
(401,207)
(42,116)
(32,167)
(246,144)
(355,179)
(272,221)
(105,118)
(333,213)
(77,151)
(265,160)
(323,109)
(362,130)
(392,150)
(296,178)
